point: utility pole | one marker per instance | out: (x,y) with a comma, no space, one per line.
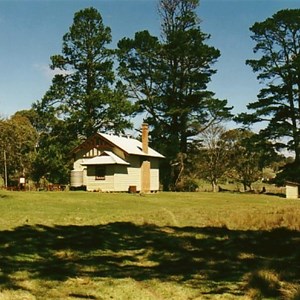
(5,169)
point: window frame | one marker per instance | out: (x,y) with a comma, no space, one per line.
(100,172)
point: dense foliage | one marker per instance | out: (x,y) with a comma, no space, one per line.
(278,41)
(168,78)
(235,155)
(84,93)
(18,140)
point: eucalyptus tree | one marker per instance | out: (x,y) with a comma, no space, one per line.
(214,156)
(247,156)
(168,78)
(278,42)
(18,139)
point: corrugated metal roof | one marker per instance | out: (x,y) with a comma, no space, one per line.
(130,145)
(106,158)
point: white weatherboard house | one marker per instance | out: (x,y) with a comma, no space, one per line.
(112,163)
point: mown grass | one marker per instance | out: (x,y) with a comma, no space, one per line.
(77,245)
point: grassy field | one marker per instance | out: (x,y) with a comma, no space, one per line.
(79,245)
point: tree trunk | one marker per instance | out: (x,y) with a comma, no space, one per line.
(214,186)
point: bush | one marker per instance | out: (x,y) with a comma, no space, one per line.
(187,185)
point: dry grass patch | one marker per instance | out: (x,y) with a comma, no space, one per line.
(263,284)
(163,246)
(291,292)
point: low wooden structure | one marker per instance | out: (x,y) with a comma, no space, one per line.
(292,190)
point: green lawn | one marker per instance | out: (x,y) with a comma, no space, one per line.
(79,245)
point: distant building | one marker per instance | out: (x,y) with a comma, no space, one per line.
(292,190)
(112,163)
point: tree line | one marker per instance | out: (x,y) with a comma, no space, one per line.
(165,79)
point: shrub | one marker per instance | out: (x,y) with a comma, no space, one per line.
(187,185)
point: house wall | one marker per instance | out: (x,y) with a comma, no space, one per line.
(118,177)
(154,175)
(77,165)
(105,185)
(121,178)
(118,152)
(134,172)
(81,155)
(292,191)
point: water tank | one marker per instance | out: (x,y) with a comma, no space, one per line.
(76,178)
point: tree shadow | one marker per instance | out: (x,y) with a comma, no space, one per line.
(186,255)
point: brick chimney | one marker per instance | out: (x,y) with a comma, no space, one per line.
(145,166)
(145,139)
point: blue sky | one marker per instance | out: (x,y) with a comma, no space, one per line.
(32,30)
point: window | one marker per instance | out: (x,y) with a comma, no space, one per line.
(100,173)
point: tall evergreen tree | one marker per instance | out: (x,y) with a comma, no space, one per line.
(84,96)
(278,41)
(168,77)
(85,93)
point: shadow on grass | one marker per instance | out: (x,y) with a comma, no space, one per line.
(187,255)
